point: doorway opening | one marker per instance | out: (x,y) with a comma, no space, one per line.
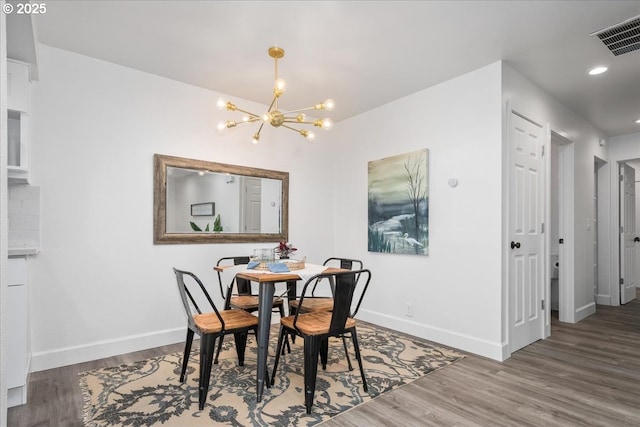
(560,237)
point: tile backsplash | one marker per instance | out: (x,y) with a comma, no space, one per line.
(24,216)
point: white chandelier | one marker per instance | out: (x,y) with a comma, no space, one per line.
(274,116)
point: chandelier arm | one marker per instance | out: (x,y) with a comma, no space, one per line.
(291,128)
(294,120)
(297,111)
(249,113)
(251,120)
(273,103)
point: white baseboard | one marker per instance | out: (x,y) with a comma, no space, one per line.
(492,350)
(603,299)
(107,348)
(585,311)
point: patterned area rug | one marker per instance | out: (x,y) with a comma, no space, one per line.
(149,393)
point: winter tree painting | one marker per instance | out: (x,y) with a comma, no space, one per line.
(399,204)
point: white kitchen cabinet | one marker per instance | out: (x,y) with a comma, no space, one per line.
(18,86)
(17,331)
(18,110)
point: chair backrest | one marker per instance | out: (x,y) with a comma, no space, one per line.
(193,295)
(344,263)
(347,284)
(244,286)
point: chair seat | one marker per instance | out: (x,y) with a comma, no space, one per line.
(250,302)
(316,323)
(209,323)
(313,304)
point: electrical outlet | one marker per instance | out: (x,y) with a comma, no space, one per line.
(408,310)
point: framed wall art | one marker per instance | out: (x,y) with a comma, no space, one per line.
(398,219)
(203,209)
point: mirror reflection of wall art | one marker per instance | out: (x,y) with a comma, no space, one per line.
(203,209)
(399,204)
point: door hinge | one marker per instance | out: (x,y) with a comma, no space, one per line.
(542,305)
(542,228)
(621,229)
(622,280)
(542,154)
(561,241)
(621,178)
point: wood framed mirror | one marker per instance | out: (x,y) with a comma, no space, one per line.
(197,201)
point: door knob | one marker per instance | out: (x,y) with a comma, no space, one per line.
(515,245)
(636,239)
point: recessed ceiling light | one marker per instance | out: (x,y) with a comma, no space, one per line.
(638,121)
(597,70)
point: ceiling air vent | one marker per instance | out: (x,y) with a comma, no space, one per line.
(621,38)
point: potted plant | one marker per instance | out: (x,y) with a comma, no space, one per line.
(217,227)
(284,249)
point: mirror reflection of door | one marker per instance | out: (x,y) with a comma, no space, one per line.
(251,204)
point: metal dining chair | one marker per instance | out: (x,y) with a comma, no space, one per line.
(317,327)
(209,326)
(237,293)
(323,303)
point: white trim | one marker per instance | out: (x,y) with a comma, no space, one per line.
(614,288)
(566,251)
(492,350)
(585,311)
(100,349)
(546,164)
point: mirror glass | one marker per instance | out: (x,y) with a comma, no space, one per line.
(197,201)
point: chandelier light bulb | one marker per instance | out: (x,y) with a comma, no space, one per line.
(221,126)
(266,118)
(327,124)
(256,138)
(222,104)
(310,136)
(329,104)
(245,118)
(280,85)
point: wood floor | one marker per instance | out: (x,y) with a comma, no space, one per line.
(585,374)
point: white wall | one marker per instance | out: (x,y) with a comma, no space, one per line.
(99,286)
(456,289)
(538,106)
(621,148)
(3,218)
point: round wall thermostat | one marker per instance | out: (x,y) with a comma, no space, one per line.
(453,182)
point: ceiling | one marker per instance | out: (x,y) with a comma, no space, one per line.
(361,53)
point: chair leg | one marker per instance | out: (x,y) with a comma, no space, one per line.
(354,338)
(187,351)
(207,347)
(279,350)
(281,309)
(346,352)
(324,352)
(215,360)
(311,349)
(292,312)
(241,344)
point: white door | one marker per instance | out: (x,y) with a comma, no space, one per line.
(252,203)
(627,233)
(526,244)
